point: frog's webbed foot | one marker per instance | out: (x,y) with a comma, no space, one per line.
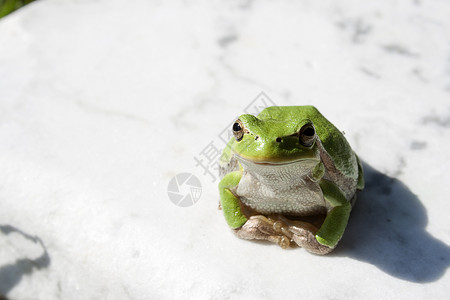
(262,228)
(306,239)
(303,234)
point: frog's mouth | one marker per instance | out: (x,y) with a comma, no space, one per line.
(279,170)
(274,163)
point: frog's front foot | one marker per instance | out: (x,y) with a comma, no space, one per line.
(261,228)
(306,239)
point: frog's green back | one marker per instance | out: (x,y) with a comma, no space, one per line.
(332,139)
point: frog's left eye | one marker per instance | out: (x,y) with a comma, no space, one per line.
(238,130)
(307,135)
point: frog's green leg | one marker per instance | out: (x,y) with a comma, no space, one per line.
(335,223)
(229,202)
(361,183)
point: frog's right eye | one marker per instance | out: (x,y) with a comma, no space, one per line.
(238,130)
(307,135)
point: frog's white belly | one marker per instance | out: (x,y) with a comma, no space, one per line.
(284,189)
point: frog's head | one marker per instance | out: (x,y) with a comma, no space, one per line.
(274,141)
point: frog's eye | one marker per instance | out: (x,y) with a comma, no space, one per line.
(238,130)
(307,135)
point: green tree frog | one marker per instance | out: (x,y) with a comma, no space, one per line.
(290,177)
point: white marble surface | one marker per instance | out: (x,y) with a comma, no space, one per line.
(103,102)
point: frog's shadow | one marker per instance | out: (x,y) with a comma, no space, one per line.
(12,274)
(387,229)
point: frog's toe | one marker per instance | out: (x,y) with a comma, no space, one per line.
(282,241)
(261,228)
(254,229)
(306,239)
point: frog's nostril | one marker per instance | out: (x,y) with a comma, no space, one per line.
(278,140)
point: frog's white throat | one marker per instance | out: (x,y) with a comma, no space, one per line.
(287,188)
